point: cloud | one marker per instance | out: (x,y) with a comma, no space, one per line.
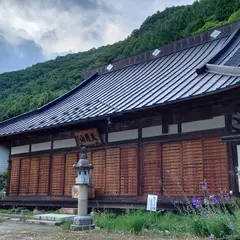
(58,26)
(14,57)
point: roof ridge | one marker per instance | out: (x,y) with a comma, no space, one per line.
(224,70)
(167,49)
(223,49)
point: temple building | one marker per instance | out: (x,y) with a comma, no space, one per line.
(163,122)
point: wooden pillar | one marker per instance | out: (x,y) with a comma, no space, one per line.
(9,175)
(50,169)
(232,156)
(139,157)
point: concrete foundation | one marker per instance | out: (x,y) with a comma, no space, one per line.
(54,217)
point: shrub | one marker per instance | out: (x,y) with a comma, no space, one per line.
(234,17)
(136,224)
(199,226)
(3,180)
(218,226)
(210,25)
(65,226)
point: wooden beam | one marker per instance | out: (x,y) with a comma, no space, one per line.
(50,169)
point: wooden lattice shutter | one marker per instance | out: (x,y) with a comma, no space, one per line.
(172,169)
(99,172)
(14,176)
(70,173)
(192,163)
(113,171)
(58,163)
(24,176)
(215,165)
(128,171)
(34,176)
(44,168)
(151,169)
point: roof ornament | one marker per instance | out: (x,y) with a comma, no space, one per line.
(156,52)
(109,67)
(215,33)
(83,163)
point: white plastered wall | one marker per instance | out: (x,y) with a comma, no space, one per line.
(208,124)
(65,143)
(40,146)
(157,131)
(4,156)
(20,149)
(123,135)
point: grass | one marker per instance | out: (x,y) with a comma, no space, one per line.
(213,221)
(139,221)
(53,212)
(4,211)
(8,211)
(65,226)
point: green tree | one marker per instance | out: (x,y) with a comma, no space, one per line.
(28,89)
(224,8)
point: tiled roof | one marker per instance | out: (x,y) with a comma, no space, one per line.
(174,77)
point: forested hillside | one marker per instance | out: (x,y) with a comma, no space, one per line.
(23,90)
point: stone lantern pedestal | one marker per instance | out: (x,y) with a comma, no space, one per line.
(81,223)
(83,167)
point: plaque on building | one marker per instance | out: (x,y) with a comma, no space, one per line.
(89,137)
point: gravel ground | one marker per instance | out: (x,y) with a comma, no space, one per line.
(12,231)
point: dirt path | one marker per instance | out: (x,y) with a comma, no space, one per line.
(12,231)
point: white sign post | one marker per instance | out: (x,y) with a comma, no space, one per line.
(152,203)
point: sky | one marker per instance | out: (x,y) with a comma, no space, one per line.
(33,31)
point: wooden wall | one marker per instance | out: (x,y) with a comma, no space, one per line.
(170,169)
(29,176)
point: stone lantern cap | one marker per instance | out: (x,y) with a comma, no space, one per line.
(83,163)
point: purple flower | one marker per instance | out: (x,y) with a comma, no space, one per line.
(195,202)
(178,183)
(205,214)
(238,173)
(214,201)
(167,170)
(211,237)
(204,186)
(227,198)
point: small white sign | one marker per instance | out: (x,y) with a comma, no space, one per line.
(215,34)
(152,203)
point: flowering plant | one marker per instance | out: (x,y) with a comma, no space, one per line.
(214,216)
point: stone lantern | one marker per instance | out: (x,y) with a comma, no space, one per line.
(83,167)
